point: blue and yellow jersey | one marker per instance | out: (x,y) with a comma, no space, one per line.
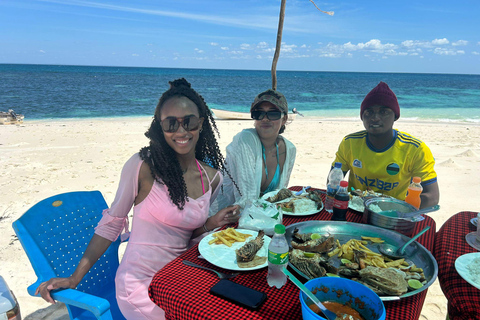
(389,170)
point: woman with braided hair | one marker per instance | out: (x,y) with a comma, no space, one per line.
(170,187)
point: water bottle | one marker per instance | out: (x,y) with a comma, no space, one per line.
(277,257)
(334,178)
(413,193)
(340,204)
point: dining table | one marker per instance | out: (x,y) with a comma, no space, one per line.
(183,291)
(450,243)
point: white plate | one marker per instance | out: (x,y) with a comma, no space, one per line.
(462,263)
(225,257)
(288,213)
(474,221)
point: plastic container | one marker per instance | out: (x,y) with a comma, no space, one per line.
(334,178)
(340,204)
(358,296)
(413,193)
(277,258)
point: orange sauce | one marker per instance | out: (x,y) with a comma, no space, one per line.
(338,309)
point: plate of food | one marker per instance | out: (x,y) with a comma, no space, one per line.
(468,267)
(358,197)
(236,249)
(304,204)
(350,250)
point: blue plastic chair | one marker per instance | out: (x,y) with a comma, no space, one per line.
(55,233)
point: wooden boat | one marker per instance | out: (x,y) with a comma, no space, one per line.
(234,115)
(10,117)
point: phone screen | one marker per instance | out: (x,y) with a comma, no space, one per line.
(238,293)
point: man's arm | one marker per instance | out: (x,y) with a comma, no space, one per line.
(430,195)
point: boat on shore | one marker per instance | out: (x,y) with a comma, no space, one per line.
(11,117)
(235,115)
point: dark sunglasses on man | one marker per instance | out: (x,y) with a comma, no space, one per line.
(189,123)
(271,115)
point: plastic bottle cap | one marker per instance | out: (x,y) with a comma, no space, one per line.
(279,228)
(417,179)
(338,164)
(343,183)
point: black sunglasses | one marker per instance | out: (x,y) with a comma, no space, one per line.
(271,115)
(189,123)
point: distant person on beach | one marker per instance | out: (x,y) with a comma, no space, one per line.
(384,159)
(170,186)
(259,159)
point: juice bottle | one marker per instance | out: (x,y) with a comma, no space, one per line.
(414,191)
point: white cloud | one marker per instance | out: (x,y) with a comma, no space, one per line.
(475,53)
(224,48)
(439,42)
(262,44)
(288,47)
(245,46)
(460,43)
(198,50)
(303,46)
(135,55)
(416,44)
(213,44)
(42,51)
(447,52)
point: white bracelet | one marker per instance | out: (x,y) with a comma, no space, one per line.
(205,227)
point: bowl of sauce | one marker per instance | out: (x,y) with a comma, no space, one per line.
(348,299)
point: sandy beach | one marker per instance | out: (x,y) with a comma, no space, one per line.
(43,158)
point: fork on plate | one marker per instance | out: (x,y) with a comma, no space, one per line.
(219,274)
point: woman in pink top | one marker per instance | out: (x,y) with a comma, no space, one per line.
(171,189)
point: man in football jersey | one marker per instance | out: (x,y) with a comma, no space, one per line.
(384,159)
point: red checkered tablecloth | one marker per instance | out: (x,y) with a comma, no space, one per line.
(450,243)
(183,291)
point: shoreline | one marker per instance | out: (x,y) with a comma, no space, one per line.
(41,158)
(298,118)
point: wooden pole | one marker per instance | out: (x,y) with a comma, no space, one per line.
(278,46)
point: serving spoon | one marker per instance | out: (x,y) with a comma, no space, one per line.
(413,216)
(396,253)
(328,314)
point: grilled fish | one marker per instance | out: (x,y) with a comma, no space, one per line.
(247,252)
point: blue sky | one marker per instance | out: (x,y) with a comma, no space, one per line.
(363,35)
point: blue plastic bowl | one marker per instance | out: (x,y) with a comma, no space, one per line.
(343,291)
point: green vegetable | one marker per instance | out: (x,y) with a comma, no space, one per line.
(414,284)
(332,275)
(315,236)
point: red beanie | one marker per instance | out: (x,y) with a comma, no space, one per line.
(383,96)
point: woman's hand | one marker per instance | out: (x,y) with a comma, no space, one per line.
(55,283)
(227,215)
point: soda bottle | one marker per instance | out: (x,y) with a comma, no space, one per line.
(334,178)
(277,257)
(340,204)
(413,193)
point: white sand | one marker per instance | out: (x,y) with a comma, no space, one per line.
(43,158)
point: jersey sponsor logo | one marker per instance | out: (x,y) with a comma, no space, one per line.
(376,183)
(357,163)
(393,169)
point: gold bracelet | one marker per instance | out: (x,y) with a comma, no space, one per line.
(205,227)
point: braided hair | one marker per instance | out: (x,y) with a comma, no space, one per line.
(162,159)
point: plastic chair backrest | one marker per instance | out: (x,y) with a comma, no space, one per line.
(55,233)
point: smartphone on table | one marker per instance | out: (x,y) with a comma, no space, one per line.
(239,294)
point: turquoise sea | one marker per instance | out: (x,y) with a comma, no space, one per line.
(55,91)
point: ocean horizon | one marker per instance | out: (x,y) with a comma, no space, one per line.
(42,92)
